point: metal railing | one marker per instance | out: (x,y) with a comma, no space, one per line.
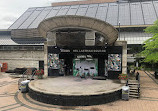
(27,75)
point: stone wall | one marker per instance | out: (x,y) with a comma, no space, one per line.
(19,59)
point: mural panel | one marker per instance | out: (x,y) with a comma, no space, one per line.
(53,61)
(86,67)
(114,62)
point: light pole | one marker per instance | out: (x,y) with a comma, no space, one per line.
(119,30)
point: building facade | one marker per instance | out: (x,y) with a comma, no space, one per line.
(19,53)
(130,18)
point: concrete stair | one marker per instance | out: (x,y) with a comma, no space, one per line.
(134,91)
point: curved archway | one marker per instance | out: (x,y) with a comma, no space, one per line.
(58,22)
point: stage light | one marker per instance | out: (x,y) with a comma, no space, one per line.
(101,39)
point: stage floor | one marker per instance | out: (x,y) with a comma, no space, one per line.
(74,86)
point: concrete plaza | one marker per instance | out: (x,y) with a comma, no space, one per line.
(12,100)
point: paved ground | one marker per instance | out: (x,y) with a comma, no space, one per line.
(12,100)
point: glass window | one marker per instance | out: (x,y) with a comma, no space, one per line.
(1,47)
(22,18)
(63,10)
(41,17)
(82,10)
(155,3)
(7,47)
(16,48)
(38,47)
(31,18)
(124,14)
(149,12)
(137,38)
(53,12)
(92,9)
(136,14)
(102,11)
(112,14)
(72,10)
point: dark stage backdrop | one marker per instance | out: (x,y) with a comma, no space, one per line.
(97,52)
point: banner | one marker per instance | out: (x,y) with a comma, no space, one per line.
(88,67)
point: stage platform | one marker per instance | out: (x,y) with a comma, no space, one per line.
(74,91)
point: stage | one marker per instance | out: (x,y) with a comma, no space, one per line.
(74,91)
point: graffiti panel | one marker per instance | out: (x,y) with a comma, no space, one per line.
(53,61)
(114,62)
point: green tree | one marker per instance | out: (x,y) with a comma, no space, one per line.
(151,45)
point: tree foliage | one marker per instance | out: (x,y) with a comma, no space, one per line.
(151,45)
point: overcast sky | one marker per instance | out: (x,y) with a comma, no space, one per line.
(10,10)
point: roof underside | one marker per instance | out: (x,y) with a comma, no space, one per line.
(59,22)
(130,37)
(5,39)
(135,13)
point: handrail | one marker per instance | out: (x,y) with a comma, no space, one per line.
(21,79)
(33,74)
(138,79)
(23,76)
(137,76)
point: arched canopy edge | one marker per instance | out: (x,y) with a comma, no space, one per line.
(76,21)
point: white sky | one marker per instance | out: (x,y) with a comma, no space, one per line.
(10,10)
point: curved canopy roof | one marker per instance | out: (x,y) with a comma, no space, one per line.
(108,31)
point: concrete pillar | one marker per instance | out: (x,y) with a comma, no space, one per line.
(90,38)
(124,57)
(51,38)
(124,54)
(51,41)
(45,59)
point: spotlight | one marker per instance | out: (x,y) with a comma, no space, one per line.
(101,39)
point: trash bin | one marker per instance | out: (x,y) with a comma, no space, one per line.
(125,92)
(156,74)
(24,86)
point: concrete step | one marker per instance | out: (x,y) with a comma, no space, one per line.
(133,83)
(133,96)
(134,88)
(134,91)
